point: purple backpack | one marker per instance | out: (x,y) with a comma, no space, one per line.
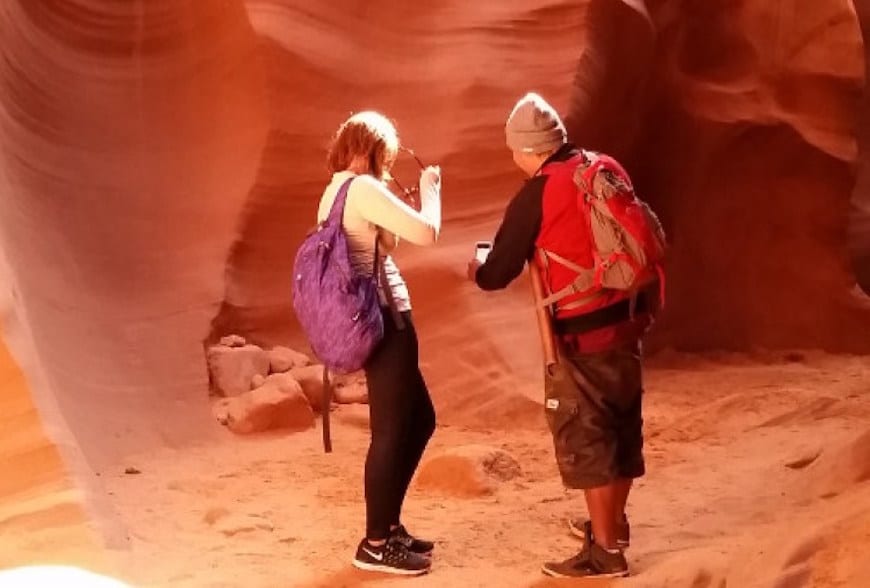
(339,309)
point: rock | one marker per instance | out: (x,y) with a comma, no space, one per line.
(257,381)
(714,69)
(283,359)
(311,379)
(283,381)
(233,341)
(154,232)
(233,369)
(271,406)
(311,391)
(468,471)
(346,389)
(352,393)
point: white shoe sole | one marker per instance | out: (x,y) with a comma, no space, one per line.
(385,569)
(553,574)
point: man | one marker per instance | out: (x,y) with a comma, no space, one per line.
(594,411)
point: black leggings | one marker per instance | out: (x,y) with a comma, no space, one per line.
(402,421)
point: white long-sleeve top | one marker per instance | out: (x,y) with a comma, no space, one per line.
(372,210)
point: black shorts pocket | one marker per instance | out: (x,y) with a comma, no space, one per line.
(584,451)
(562,408)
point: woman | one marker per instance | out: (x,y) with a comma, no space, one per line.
(402,416)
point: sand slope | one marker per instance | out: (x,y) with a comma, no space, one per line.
(752,479)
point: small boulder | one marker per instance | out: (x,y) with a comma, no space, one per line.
(257,381)
(233,341)
(284,359)
(269,407)
(468,471)
(311,379)
(233,369)
(352,393)
(311,390)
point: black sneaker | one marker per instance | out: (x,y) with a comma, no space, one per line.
(578,528)
(414,545)
(592,562)
(390,558)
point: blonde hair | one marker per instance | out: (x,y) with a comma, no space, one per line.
(369,135)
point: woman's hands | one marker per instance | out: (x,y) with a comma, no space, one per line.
(430,178)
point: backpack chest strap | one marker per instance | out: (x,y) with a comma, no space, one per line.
(584,281)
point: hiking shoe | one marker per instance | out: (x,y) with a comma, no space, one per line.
(414,545)
(390,558)
(580,527)
(592,562)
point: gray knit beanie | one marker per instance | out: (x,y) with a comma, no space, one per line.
(534,126)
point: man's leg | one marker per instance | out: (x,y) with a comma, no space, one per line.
(589,449)
(623,488)
(605,504)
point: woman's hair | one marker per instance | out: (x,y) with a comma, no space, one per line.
(367,134)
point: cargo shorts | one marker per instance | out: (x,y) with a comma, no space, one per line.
(593,407)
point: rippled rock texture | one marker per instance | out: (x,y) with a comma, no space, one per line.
(161,161)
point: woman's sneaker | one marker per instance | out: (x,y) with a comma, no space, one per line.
(592,562)
(414,545)
(580,527)
(392,557)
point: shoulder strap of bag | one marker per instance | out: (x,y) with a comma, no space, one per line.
(326,402)
(336,212)
(580,284)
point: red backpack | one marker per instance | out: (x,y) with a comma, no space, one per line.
(627,240)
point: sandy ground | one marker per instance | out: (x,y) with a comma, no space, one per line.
(117,317)
(755,479)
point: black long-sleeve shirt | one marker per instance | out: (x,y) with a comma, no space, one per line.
(514,243)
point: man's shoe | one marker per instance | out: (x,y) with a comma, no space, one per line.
(390,558)
(414,545)
(578,528)
(592,562)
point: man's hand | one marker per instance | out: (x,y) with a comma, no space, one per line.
(472,269)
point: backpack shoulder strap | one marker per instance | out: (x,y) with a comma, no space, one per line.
(556,166)
(582,283)
(584,178)
(336,213)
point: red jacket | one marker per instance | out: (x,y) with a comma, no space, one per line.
(545,213)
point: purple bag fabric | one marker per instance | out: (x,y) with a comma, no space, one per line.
(339,309)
